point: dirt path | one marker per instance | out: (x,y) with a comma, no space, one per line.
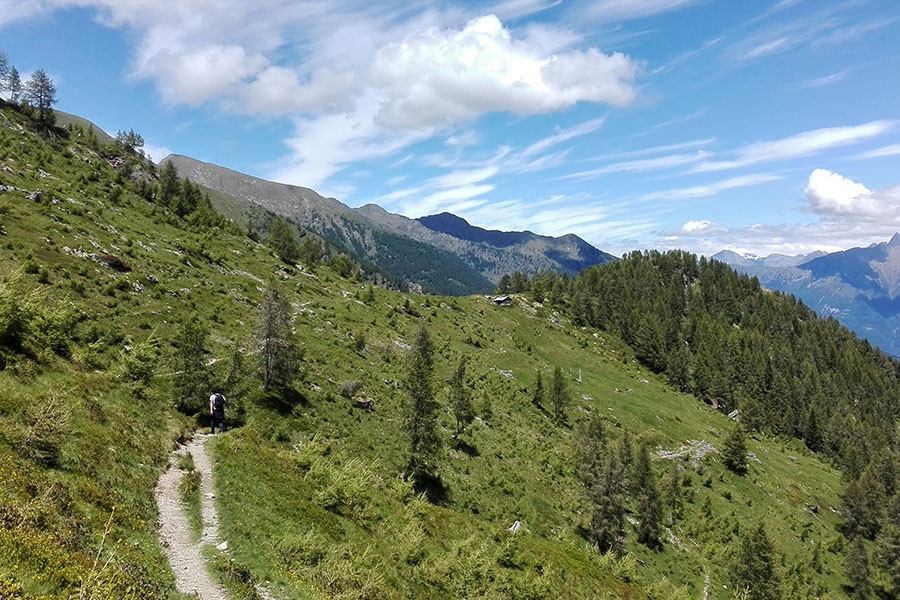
(191,574)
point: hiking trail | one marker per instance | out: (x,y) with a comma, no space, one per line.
(185,557)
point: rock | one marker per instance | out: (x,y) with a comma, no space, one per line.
(223,546)
(36,196)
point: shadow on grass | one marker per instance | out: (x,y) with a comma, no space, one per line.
(435,489)
(469,449)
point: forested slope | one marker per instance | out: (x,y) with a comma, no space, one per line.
(125,298)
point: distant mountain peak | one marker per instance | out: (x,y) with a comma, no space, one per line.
(895,240)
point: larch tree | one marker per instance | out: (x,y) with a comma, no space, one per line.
(538,397)
(460,399)
(283,239)
(421,409)
(40,92)
(275,335)
(753,568)
(734,450)
(559,395)
(649,504)
(14,85)
(889,543)
(5,70)
(192,379)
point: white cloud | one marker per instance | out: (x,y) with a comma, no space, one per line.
(830,194)
(201,74)
(437,77)
(156,153)
(892,150)
(640,165)
(802,144)
(620,10)
(822,81)
(563,136)
(711,189)
(849,214)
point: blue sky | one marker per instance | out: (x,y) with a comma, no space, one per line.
(764,126)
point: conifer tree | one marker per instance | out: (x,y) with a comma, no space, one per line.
(283,240)
(673,493)
(734,450)
(600,472)
(279,349)
(649,504)
(889,544)
(559,395)
(191,381)
(857,568)
(753,567)
(14,85)
(4,71)
(460,399)
(538,397)
(40,92)
(310,252)
(421,409)
(169,186)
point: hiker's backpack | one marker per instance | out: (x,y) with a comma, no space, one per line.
(219,406)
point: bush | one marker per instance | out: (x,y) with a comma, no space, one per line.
(349,388)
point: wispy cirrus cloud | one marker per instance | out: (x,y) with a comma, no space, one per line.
(892,150)
(801,144)
(710,189)
(818,82)
(639,166)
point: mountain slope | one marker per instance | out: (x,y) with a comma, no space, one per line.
(410,259)
(307,483)
(860,287)
(452,259)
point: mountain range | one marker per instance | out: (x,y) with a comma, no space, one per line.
(860,287)
(443,253)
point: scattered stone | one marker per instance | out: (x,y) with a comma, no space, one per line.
(516,526)
(223,546)
(36,196)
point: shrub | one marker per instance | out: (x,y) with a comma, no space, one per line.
(349,388)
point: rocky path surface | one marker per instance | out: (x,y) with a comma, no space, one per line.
(185,557)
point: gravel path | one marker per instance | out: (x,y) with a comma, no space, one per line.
(191,575)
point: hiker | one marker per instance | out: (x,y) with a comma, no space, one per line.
(217,411)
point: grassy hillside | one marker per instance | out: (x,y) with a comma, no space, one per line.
(308,485)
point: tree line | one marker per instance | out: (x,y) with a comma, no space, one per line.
(722,337)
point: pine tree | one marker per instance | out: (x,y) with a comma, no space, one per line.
(857,567)
(864,500)
(40,92)
(421,409)
(649,505)
(673,491)
(14,85)
(283,240)
(538,397)
(559,395)
(460,400)
(278,346)
(169,186)
(889,544)
(4,71)
(601,474)
(753,568)
(734,450)
(192,379)
(310,252)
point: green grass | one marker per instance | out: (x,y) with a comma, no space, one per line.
(309,495)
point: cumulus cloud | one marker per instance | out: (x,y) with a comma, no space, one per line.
(438,77)
(360,80)
(849,215)
(831,194)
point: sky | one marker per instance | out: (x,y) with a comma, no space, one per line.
(759,126)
